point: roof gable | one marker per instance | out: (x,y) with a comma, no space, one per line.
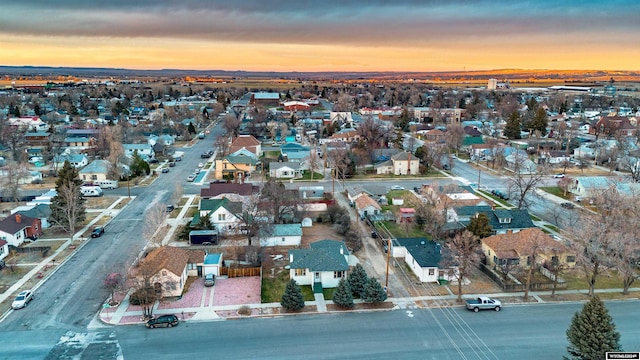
(168,258)
(15,222)
(426,253)
(522,243)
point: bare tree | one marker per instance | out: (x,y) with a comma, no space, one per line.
(154,220)
(522,180)
(113,282)
(68,207)
(565,184)
(314,162)
(231,125)
(221,144)
(454,136)
(141,279)
(12,173)
(462,257)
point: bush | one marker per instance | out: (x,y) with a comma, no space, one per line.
(244,310)
(292,298)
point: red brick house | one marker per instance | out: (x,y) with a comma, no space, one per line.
(17,227)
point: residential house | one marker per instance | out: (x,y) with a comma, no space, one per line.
(405,163)
(500,220)
(80,142)
(35,211)
(236,167)
(423,257)
(168,268)
(96,170)
(39,138)
(246,142)
(322,265)
(76,160)
(613,125)
(554,157)
(285,170)
(145,151)
(15,228)
(311,192)
(590,186)
(516,248)
(366,206)
(295,152)
(32,123)
(223,213)
(348,135)
(281,235)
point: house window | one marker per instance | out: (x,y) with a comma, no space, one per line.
(432,271)
(282,239)
(192,266)
(528,260)
(571,259)
(301,272)
(338,274)
(554,260)
(1,250)
(222,217)
(94,177)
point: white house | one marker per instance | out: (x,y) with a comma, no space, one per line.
(76,160)
(423,257)
(323,265)
(285,170)
(365,205)
(281,235)
(223,213)
(4,249)
(144,150)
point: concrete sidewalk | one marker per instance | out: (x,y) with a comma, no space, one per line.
(126,314)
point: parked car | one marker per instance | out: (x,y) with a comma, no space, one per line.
(191,177)
(97,232)
(397,187)
(22,299)
(153,161)
(558,176)
(483,303)
(163,321)
(165,170)
(200,165)
(500,194)
(172,164)
(197,171)
(209,280)
(567,205)
(170,208)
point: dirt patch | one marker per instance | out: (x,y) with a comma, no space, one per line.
(101,202)
(319,231)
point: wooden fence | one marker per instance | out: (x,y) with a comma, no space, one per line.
(240,272)
(497,278)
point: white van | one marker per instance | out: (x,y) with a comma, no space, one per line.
(106,184)
(89,191)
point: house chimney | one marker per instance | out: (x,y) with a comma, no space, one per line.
(510,231)
(18,218)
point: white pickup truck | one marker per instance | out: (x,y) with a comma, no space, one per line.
(483,303)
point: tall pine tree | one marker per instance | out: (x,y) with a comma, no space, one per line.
(512,129)
(356,280)
(480,226)
(373,292)
(292,298)
(67,207)
(342,296)
(592,332)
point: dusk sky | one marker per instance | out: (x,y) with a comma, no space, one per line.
(329,35)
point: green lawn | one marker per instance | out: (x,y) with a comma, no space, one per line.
(554,190)
(316,176)
(307,293)
(400,231)
(576,281)
(273,288)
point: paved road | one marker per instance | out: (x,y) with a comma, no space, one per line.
(518,332)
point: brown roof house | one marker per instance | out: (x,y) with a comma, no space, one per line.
(247,142)
(167,268)
(517,248)
(16,228)
(365,205)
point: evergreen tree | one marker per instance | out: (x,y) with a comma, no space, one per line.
(139,166)
(479,226)
(592,332)
(191,128)
(539,121)
(292,298)
(67,207)
(342,296)
(357,280)
(512,129)
(373,292)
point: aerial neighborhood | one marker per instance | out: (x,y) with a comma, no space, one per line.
(338,194)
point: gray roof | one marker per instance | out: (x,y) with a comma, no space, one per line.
(96,167)
(427,253)
(519,218)
(37,212)
(324,255)
(10,226)
(290,164)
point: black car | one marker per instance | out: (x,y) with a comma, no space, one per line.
(567,205)
(172,164)
(170,208)
(2,264)
(154,161)
(97,232)
(163,321)
(165,170)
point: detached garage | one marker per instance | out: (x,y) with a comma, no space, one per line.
(212,264)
